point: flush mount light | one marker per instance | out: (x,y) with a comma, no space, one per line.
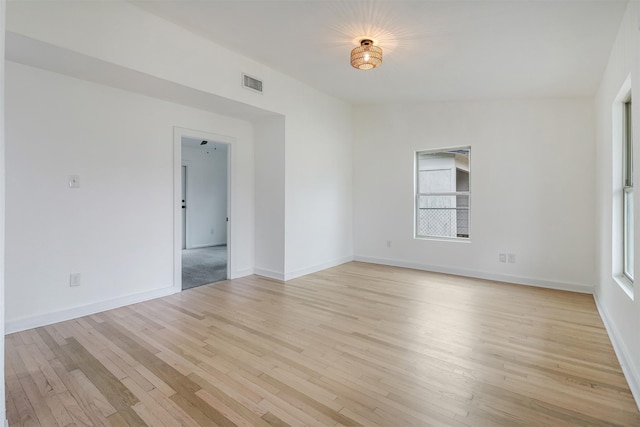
(366,56)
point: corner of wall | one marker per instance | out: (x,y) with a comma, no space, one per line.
(519,280)
(270,274)
(242,273)
(315,268)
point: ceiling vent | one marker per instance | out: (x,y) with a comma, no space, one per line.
(251,83)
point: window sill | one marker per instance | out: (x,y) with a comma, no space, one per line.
(625,284)
(443,239)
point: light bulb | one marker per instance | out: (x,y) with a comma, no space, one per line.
(366,57)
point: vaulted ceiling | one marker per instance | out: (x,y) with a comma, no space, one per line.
(433,50)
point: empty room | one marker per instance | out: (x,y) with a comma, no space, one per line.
(423,213)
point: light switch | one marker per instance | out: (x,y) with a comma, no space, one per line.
(74,181)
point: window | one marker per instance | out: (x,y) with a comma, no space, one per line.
(622,219)
(627,192)
(442,193)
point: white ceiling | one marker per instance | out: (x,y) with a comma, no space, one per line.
(433,50)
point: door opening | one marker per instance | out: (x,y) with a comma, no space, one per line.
(184,207)
(204,188)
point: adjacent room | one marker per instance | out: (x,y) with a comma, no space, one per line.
(379,213)
(204,182)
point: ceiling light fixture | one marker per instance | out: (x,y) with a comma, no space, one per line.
(366,56)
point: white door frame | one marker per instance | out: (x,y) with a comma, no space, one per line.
(178,134)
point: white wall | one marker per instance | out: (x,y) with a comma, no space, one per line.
(317,154)
(532,193)
(318,189)
(2,214)
(620,313)
(117,229)
(270,205)
(206,194)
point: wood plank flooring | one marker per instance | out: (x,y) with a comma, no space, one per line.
(358,344)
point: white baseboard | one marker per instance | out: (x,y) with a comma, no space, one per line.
(242,273)
(529,281)
(276,275)
(283,277)
(317,267)
(207,245)
(12,326)
(629,370)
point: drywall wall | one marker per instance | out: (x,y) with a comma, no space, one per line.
(317,189)
(532,193)
(270,206)
(116,230)
(2,216)
(620,312)
(206,194)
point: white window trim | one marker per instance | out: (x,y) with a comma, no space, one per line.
(618,251)
(627,184)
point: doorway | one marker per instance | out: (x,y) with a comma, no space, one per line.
(184,206)
(204,205)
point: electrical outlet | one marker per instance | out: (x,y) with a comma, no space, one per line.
(511,258)
(388,243)
(74,279)
(212,232)
(502,257)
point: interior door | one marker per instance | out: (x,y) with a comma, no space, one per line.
(184,207)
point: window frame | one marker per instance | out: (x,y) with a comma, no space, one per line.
(627,190)
(418,194)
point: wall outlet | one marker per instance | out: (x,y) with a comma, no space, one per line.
(388,243)
(502,257)
(74,279)
(212,232)
(511,258)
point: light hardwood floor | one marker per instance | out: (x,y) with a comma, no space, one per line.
(359,344)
